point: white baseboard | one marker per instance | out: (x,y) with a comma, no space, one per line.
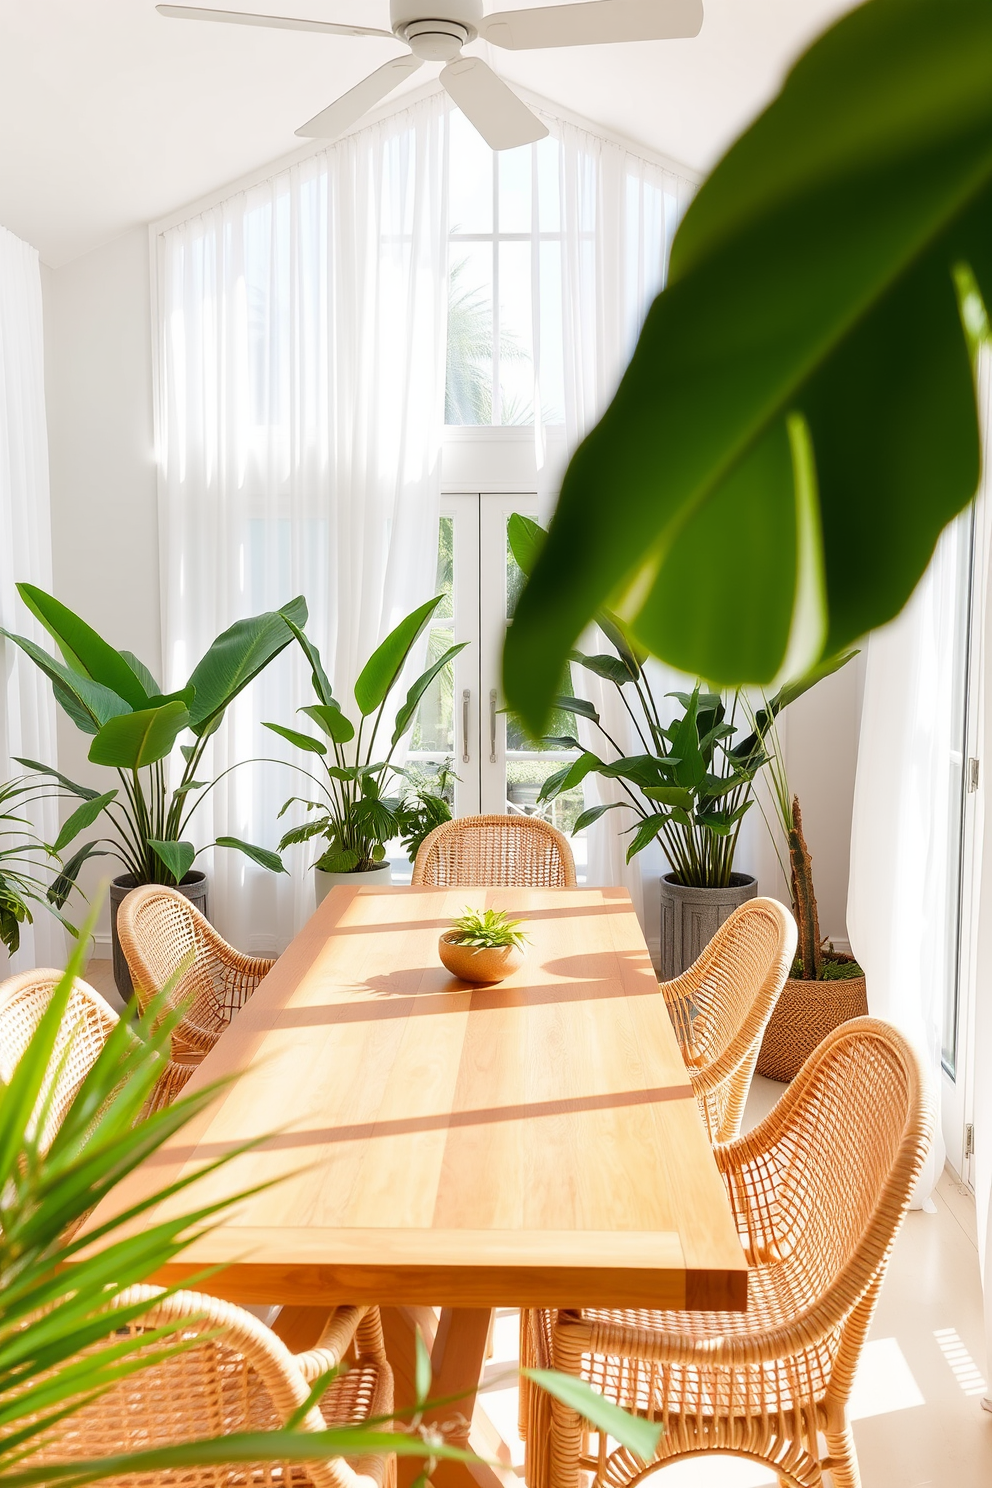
(102,945)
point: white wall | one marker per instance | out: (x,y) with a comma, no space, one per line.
(821,749)
(104,502)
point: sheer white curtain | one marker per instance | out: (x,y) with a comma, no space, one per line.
(27,708)
(619,213)
(978,955)
(902,917)
(300,409)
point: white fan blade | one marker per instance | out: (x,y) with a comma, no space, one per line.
(350,107)
(593,23)
(497,113)
(281,23)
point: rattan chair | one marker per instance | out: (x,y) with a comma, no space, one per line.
(240,1378)
(495,852)
(819,1190)
(85,1029)
(721,1006)
(161,934)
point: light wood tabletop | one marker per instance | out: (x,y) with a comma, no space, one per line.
(531,1143)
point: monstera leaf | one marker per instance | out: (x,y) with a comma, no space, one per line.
(798,422)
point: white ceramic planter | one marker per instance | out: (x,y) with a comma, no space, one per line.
(325,882)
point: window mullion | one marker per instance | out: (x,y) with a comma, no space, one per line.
(497,411)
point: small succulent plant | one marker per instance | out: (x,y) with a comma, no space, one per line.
(487,929)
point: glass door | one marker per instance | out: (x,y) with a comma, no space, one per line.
(462,722)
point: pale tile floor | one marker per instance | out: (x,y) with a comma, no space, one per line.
(918,1421)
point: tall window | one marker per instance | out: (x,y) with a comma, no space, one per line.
(512,217)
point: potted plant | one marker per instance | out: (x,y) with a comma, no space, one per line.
(690,787)
(353,814)
(20,851)
(482,946)
(826,987)
(426,805)
(113,697)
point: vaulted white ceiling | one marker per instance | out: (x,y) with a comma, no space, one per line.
(111,116)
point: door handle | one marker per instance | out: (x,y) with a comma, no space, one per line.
(492,727)
(466,700)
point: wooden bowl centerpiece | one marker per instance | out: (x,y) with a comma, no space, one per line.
(482,946)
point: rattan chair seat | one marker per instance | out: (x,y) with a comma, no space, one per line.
(819,1189)
(721,1005)
(495,852)
(162,934)
(240,1378)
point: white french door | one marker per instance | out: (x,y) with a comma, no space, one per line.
(462,718)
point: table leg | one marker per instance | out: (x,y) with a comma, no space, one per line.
(458,1357)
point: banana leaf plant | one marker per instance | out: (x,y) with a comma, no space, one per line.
(693,783)
(353,812)
(799,420)
(58,1283)
(113,697)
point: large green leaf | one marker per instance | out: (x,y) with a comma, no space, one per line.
(89,704)
(298,740)
(329,717)
(798,421)
(525,539)
(86,791)
(144,676)
(85,652)
(634,1432)
(385,664)
(62,886)
(406,714)
(177,856)
(83,816)
(321,681)
(236,658)
(263,856)
(138,739)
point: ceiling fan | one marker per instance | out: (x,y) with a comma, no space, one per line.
(436,31)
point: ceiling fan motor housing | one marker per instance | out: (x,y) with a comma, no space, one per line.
(436,30)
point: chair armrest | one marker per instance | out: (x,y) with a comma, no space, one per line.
(821,1322)
(341,1328)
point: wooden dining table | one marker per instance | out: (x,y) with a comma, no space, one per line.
(444,1150)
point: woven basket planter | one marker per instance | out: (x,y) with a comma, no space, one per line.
(804,1014)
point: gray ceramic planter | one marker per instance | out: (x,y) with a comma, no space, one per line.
(193,888)
(691,917)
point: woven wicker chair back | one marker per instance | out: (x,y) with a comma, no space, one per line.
(846,1159)
(741,961)
(495,852)
(721,1006)
(84,1030)
(162,934)
(241,1379)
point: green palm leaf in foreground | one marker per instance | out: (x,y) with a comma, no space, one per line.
(51,1177)
(798,422)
